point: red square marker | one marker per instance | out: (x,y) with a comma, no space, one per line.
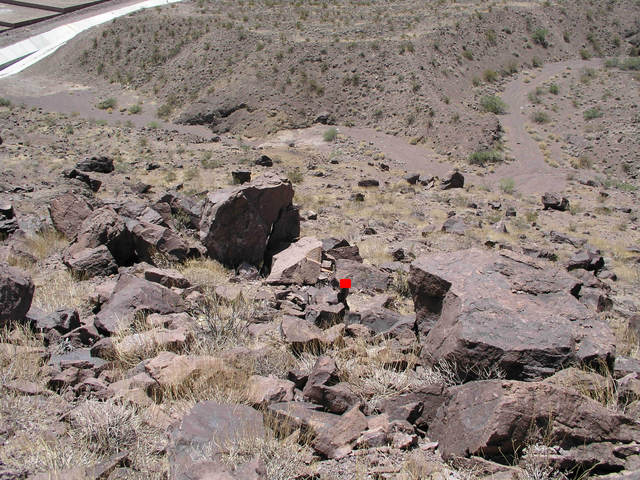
(345,283)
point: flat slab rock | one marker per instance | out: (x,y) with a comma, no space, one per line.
(482,309)
(491,418)
(213,428)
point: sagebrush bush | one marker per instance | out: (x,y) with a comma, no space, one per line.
(484,157)
(493,104)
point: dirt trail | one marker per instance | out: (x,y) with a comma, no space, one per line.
(529,170)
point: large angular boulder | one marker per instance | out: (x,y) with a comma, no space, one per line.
(67,213)
(213,428)
(237,224)
(149,239)
(493,418)
(480,310)
(16,293)
(363,277)
(298,264)
(337,441)
(105,227)
(134,295)
(91,262)
(183,208)
(555,201)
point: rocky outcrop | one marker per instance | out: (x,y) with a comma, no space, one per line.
(481,310)
(241,224)
(493,418)
(99,164)
(555,201)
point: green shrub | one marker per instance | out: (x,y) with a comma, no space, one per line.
(592,113)
(631,63)
(134,109)
(540,117)
(540,37)
(554,89)
(107,104)
(585,54)
(490,76)
(5,102)
(536,62)
(484,157)
(468,54)
(493,104)
(164,111)
(330,134)
(507,185)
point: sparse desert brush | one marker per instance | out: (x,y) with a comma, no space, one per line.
(554,89)
(5,102)
(539,37)
(295,175)
(107,104)
(135,109)
(493,104)
(330,134)
(592,113)
(540,117)
(490,76)
(485,157)
(507,185)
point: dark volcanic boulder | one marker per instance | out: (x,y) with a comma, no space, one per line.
(149,238)
(16,293)
(67,212)
(105,227)
(237,223)
(453,180)
(494,418)
(95,164)
(91,262)
(132,295)
(555,202)
(483,310)
(91,183)
(363,277)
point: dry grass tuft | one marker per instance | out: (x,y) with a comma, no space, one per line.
(60,289)
(204,272)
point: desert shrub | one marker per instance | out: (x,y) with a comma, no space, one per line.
(490,76)
(5,102)
(539,37)
(330,134)
(484,157)
(554,89)
(135,109)
(107,104)
(493,104)
(585,54)
(536,62)
(468,54)
(295,175)
(631,63)
(507,185)
(592,113)
(540,117)
(510,68)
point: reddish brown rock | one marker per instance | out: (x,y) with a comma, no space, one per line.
(132,295)
(105,227)
(297,264)
(91,262)
(262,391)
(493,418)
(337,441)
(483,310)
(67,212)
(237,224)
(150,239)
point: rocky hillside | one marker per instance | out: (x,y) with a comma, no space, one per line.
(415,70)
(155,330)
